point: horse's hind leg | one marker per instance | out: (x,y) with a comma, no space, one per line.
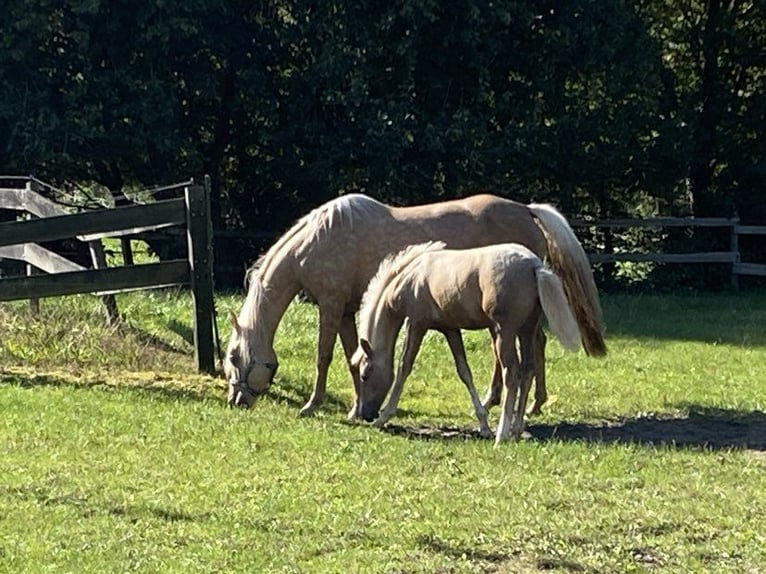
(495,390)
(541,393)
(527,347)
(505,350)
(413,338)
(349,340)
(455,341)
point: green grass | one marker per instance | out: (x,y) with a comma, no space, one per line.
(115,456)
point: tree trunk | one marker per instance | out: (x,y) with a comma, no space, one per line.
(702,162)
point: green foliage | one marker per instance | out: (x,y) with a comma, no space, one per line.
(126,460)
(606,108)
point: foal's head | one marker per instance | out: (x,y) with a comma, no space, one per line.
(375,376)
(248,373)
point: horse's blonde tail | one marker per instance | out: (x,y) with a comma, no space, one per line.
(556,308)
(569,261)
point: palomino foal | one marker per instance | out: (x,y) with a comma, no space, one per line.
(503,288)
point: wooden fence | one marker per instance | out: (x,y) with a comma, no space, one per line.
(20,240)
(730,257)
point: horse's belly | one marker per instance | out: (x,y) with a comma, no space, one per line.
(460,316)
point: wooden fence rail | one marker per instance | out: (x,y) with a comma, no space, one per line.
(731,257)
(19,240)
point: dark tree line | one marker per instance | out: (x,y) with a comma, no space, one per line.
(606,108)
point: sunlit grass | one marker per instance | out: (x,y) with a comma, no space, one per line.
(116,456)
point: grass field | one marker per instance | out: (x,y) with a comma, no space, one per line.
(116,457)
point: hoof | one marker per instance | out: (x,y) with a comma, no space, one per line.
(353,414)
(307,410)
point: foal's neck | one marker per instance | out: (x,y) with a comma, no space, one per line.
(385,329)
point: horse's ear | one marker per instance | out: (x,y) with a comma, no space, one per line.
(365,345)
(234,321)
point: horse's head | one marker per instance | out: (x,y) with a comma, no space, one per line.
(249,371)
(375,378)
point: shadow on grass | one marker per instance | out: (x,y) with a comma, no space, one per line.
(703,427)
(491,561)
(295,396)
(169,388)
(46,496)
(186,332)
(158,386)
(440,546)
(154,341)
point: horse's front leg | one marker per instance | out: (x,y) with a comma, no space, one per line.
(329,324)
(349,339)
(455,341)
(413,338)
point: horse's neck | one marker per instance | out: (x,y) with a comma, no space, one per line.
(268,306)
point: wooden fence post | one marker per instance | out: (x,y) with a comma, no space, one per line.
(199,239)
(127,251)
(99,262)
(34,303)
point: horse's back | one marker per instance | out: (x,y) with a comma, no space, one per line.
(345,240)
(473,221)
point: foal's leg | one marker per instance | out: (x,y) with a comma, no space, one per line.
(349,340)
(505,349)
(455,341)
(527,347)
(413,338)
(495,389)
(541,393)
(329,324)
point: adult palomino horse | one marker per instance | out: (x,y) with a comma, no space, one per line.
(334,251)
(503,288)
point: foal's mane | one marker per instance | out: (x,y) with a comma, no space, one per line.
(342,212)
(387,271)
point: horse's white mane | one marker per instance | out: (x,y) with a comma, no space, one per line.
(342,212)
(387,271)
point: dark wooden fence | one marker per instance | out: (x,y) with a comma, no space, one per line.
(730,257)
(20,240)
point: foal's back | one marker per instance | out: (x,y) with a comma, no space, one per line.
(470,288)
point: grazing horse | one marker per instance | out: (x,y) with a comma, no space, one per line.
(504,288)
(332,253)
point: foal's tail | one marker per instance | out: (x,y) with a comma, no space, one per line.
(556,308)
(568,259)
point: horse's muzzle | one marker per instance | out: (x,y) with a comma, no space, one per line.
(238,400)
(368,414)
(241,395)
